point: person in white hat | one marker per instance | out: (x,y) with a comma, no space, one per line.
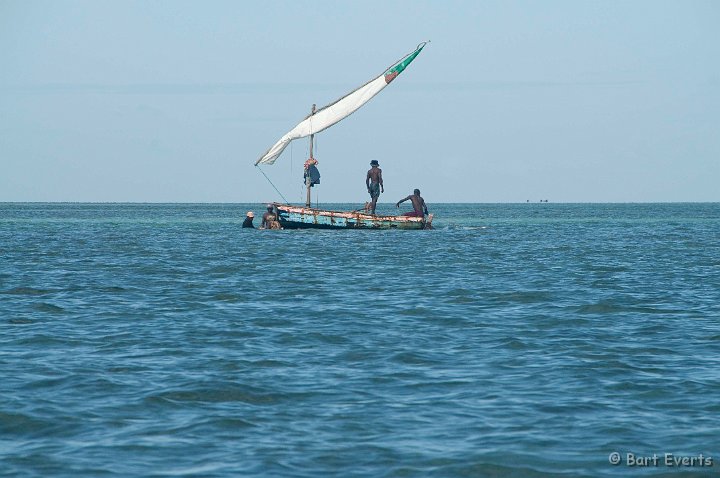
(248,222)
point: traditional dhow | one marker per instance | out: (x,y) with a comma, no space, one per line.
(298,217)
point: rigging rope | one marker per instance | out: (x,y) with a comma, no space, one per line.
(271,184)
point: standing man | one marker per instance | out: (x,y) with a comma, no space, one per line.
(374,183)
(419,206)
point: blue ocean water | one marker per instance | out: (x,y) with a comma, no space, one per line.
(524,340)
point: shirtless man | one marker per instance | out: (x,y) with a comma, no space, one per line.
(269,219)
(419,206)
(374,184)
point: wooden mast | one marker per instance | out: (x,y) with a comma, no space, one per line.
(308,181)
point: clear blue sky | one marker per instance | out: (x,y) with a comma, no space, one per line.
(173,101)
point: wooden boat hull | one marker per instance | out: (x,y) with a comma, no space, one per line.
(299,217)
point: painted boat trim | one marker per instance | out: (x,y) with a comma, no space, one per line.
(299,217)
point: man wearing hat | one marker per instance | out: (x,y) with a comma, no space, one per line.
(374,183)
(248,222)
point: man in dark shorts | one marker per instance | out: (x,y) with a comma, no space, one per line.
(374,184)
(419,206)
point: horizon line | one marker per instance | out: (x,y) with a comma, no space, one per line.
(355,202)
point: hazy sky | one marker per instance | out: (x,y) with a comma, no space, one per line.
(173,101)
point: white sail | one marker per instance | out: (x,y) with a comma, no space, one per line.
(339,110)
